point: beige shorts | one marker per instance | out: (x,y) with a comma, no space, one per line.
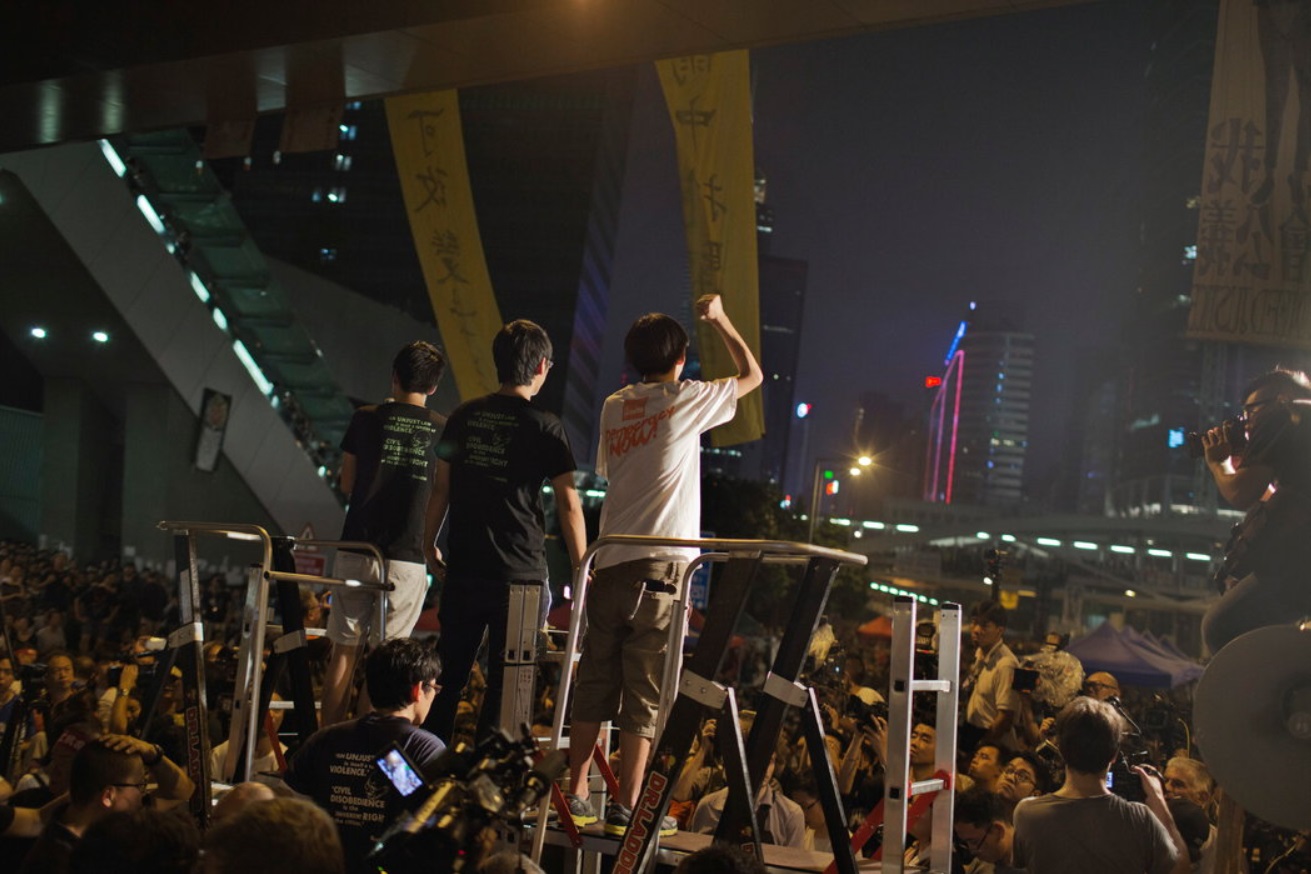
(623,658)
(354,609)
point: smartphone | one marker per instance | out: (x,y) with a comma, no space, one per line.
(400,771)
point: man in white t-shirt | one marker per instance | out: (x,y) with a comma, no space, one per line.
(650,451)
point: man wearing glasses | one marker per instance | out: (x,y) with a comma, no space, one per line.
(1023,777)
(335,768)
(109,775)
(983,829)
(1270,478)
(1101,686)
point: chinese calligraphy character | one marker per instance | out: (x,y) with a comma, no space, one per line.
(1215,234)
(712,256)
(444,243)
(1234,145)
(426,120)
(713,188)
(695,118)
(433,180)
(453,274)
(685,69)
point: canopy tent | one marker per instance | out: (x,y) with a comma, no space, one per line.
(1168,645)
(1106,650)
(1182,670)
(879,626)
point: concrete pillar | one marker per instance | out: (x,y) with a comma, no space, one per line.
(161,481)
(81,471)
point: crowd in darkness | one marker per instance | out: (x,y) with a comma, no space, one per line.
(74,652)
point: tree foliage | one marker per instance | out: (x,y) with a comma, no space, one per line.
(746,509)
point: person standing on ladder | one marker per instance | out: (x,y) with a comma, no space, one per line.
(650,451)
(493,457)
(387,465)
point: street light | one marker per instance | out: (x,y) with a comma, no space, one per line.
(823,474)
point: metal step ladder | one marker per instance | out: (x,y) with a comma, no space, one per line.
(898,792)
(687,694)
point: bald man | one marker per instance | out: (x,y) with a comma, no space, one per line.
(1101,686)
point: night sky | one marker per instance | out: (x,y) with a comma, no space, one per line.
(917,170)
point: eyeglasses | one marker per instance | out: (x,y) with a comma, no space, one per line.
(1250,408)
(973,846)
(1020,774)
(433,687)
(140,787)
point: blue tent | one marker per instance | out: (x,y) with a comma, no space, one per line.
(1182,670)
(1107,650)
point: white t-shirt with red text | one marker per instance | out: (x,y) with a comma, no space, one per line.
(651,453)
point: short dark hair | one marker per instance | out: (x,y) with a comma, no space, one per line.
(1088,734)
(1043,781)
(95,768)
(517,349)
(989,611)
(720,859)
(980,808)
(145,840)
(419,366)
(282,836)
(655,343)
(394,668)
(1283,381)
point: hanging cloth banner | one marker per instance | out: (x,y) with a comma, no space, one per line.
(428,143)
(709,100)
(1252,279)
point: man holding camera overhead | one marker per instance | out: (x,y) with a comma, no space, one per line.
(1262,464)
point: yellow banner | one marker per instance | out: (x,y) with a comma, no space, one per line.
(709,100)
(1252,279)
(428,143)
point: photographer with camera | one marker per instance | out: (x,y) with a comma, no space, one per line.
(1083,826)
(1262,464)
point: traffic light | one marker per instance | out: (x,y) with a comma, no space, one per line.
(831,487)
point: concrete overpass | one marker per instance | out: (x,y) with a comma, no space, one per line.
(77,71)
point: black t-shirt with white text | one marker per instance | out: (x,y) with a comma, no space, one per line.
(501,449)
(336,767)
(393,448)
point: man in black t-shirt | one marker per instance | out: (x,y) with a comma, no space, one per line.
(336,767)
(1269,476)
(386,468)
(493,457)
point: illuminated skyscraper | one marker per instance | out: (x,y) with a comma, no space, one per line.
(978,432)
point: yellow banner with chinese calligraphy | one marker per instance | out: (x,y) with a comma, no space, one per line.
(428,143)
(1252,279)
(709,100)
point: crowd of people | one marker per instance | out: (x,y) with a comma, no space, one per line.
(1026,768)
(1051,774)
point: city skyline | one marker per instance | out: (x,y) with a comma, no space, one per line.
(917,170)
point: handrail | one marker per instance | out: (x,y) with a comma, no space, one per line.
(228,529)
(254,647)
(719,548)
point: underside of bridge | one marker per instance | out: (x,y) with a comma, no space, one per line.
(77,71)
